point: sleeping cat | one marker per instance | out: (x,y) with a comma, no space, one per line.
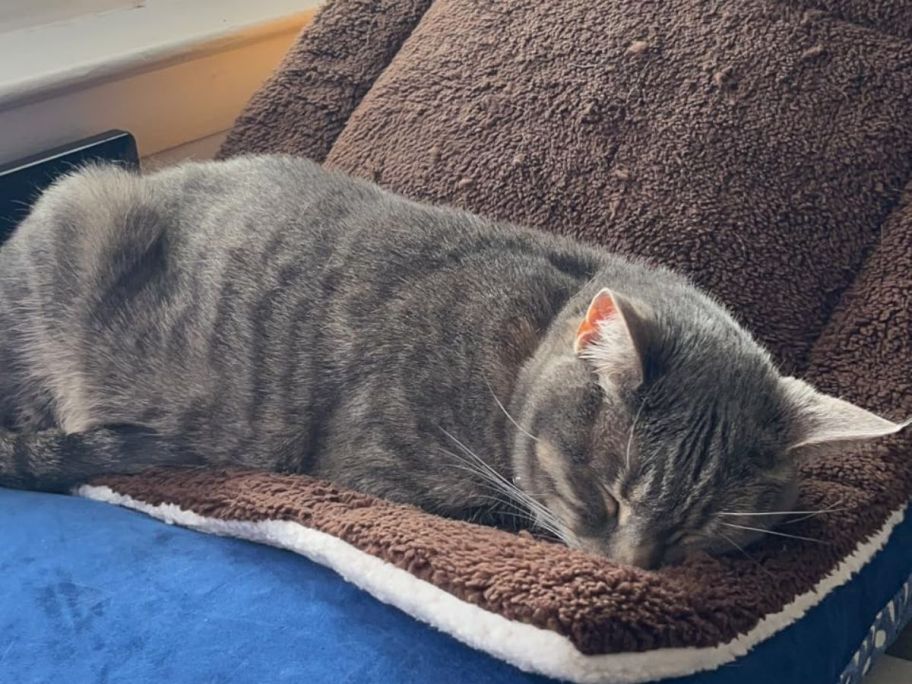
(262,312)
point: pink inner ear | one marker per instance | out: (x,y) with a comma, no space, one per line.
(601,308)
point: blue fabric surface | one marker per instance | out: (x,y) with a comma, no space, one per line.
(94,593)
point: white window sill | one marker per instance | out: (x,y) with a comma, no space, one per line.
(168,71)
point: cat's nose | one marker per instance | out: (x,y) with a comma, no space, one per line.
(646,555)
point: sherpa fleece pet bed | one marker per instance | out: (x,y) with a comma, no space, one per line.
(764,147)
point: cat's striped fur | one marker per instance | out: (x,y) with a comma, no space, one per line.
(265,313)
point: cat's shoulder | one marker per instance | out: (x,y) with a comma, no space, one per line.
(92,184)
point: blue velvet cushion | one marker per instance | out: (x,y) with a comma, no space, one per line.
(93,593)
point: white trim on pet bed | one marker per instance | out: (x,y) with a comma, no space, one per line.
(527,647)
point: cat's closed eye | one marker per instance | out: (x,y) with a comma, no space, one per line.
(600,513)
(684,539)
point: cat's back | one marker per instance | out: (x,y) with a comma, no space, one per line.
(94,226)
(176,287)
(119,275)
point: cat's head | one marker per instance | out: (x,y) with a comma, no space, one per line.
(648,432)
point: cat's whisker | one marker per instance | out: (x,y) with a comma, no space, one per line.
(548,520)
(485,479)
(489,478)
(517,522)
(813,515)
(483,468)
(479,461)
(545,518)
(516,511)
(504,508)
(509,501)
(746,554)
(803,515)
(507,413)
(762,513)
(774,533)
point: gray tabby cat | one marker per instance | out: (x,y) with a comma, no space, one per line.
(262,312)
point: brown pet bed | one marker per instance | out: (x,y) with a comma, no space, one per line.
(762,147)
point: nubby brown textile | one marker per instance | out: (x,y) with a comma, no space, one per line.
(762,147)
(889,16)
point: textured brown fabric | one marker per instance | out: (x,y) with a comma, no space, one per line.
(601,607)
(866,350)
(759,145)
(305,104)
(890,16)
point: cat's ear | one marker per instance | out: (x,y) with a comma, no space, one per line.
(819,420)
(613,338)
